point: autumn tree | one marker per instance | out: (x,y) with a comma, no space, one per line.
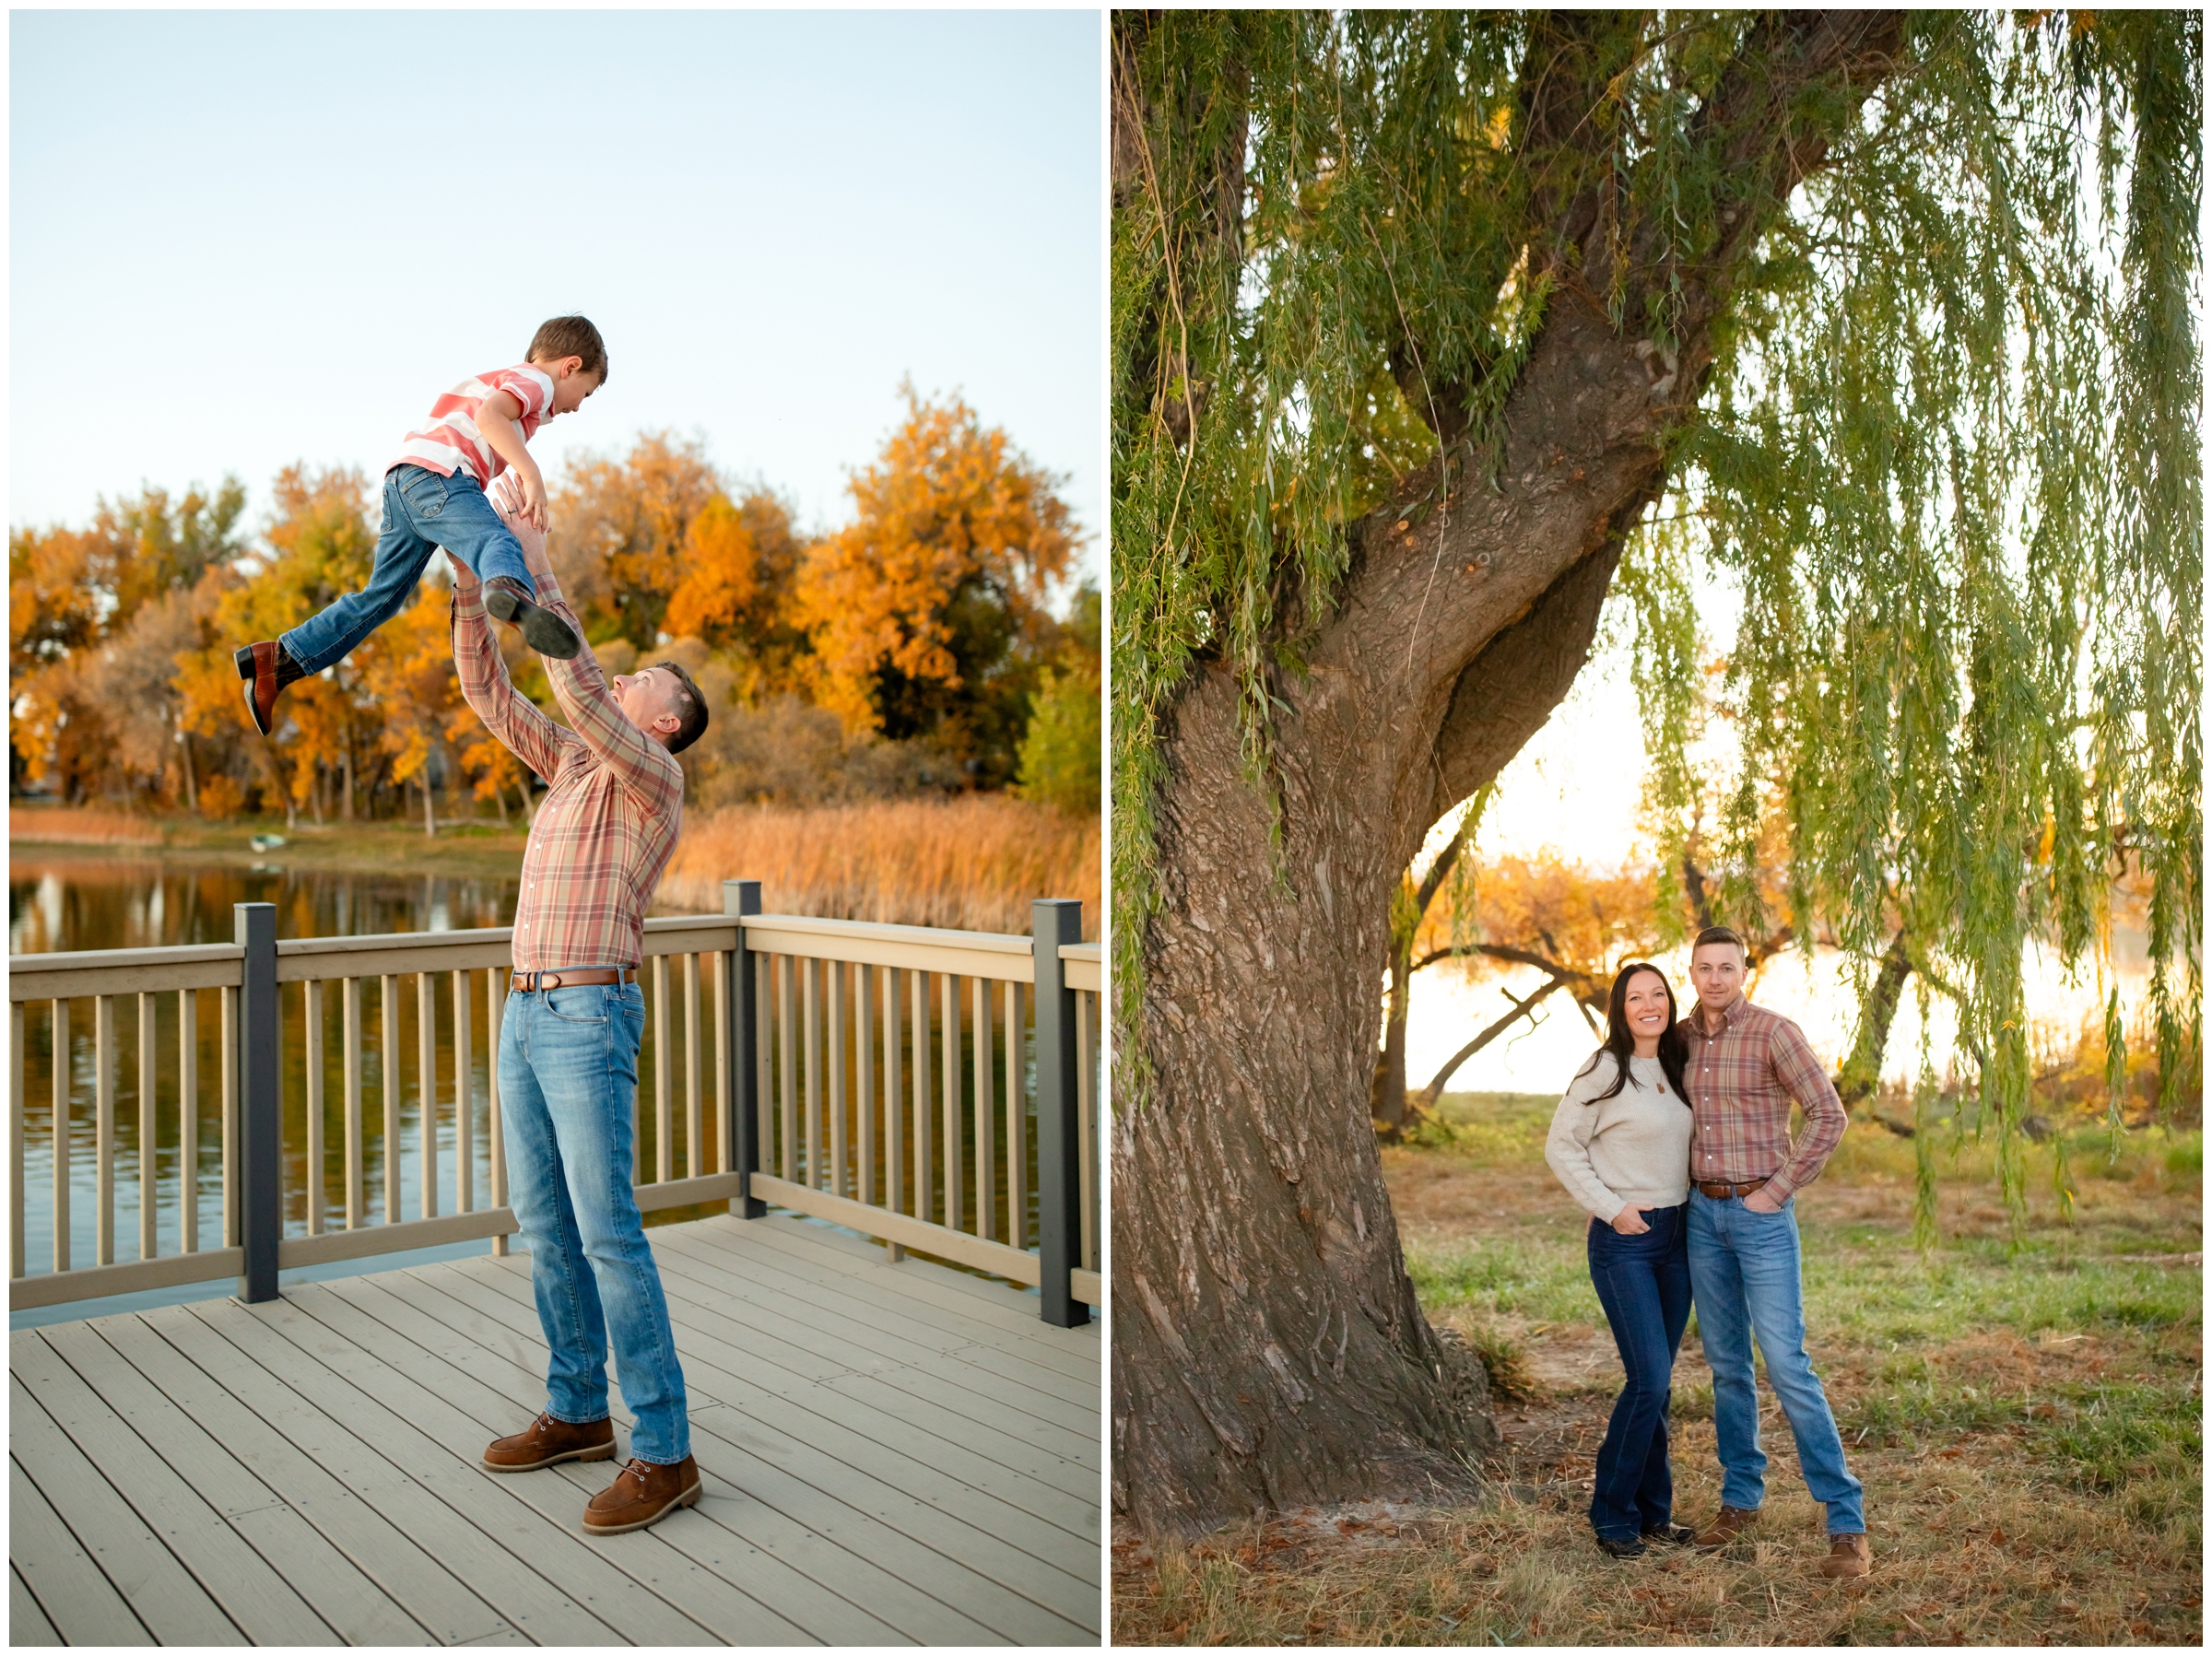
(1415,316)
(411,677)
(94,615)
(320,545)
(927,612)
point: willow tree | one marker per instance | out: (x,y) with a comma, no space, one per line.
(1416,319)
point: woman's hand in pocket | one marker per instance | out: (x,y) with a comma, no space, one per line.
(1629,1221)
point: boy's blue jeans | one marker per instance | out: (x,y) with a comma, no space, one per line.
(568,1072)
(1643,1282)
(422,512)
(1744,1271)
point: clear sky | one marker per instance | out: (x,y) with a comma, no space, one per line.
(240,240)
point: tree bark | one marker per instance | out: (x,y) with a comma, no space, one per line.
(1388,1105)
(1268,1350)
(1862,1072)
(192,781)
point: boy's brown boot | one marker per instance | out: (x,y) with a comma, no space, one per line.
(266,669)
(547,1443)
(642,1493)
(1730,1523)
(504,600)
(1847,1555)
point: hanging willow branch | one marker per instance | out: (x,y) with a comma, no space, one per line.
(1937,430)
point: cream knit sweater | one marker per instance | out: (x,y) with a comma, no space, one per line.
(1631,1151)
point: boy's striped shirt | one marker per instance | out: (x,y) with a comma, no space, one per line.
(450,441)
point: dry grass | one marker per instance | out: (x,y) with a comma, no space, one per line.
(80,824)
(973,863)
(2027,1427)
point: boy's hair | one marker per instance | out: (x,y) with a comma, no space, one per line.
(1720,934)
(569,336)
(692,710)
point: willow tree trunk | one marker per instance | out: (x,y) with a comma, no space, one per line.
(1268,1350)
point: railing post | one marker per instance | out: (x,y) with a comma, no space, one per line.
(741,1130)
(259,1111)
(1055,921)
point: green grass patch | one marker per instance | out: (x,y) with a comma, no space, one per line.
(1539,1281)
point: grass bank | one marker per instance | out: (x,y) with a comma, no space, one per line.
(2027,1426)
(462,846)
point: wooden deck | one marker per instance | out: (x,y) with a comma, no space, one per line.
(893,1454)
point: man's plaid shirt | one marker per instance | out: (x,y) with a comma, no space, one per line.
(607,826)
(1742,1082)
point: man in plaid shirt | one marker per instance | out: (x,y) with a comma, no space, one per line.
(569,1041)
(1747,1066)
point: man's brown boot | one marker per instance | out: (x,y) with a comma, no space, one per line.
(642,1493)
(1847,1555)
(1730,1523)
(548,1442)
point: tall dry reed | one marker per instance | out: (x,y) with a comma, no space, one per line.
(973,863)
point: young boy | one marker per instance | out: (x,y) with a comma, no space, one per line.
(434,496)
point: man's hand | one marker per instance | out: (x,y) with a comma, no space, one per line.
(507,496)
(1759,1202)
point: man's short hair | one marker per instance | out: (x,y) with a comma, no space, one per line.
(569,336)
(692,708)
(1720,934)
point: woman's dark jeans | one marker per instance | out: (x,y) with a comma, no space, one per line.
(1643,1282)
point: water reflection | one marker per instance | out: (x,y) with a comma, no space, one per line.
(76,901)
(73,901)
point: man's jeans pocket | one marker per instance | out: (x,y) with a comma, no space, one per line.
(584,1006)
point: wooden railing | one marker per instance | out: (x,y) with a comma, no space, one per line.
(933,1089)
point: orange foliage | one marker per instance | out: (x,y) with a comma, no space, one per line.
(951,511)
(1585,920)
(719,577)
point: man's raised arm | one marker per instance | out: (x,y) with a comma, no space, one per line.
(515,720)
(646,768)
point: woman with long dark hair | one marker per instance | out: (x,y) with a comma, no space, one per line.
(1620,1145)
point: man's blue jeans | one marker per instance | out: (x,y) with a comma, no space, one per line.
(422,512)
(1744,1271)
(1643,1282)
(568,1072)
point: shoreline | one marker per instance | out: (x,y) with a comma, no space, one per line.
(465,848)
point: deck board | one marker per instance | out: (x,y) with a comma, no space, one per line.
(868,1517)
(892,1453)
(27,1623)
(358,1610)
(258,1599)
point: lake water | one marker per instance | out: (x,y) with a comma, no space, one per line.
(64,900)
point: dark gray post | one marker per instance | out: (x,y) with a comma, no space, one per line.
(259,1111)
(1055,921)
(742,1132)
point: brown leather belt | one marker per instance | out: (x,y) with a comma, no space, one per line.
(572,979)
(1722,1192)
